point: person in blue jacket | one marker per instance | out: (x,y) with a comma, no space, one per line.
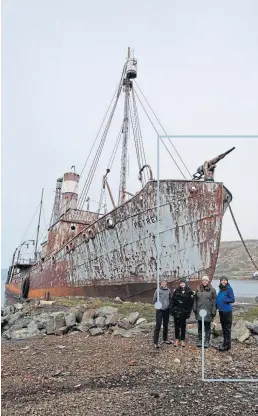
(225,298)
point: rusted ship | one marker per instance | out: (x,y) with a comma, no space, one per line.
(114,253)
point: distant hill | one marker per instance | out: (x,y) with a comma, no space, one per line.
(233,259)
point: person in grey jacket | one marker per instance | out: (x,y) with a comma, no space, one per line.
(163,313)
(205,298)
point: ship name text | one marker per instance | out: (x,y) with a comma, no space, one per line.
(145,221)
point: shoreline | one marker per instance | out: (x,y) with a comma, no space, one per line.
(248,300)
(78,375)
(117,371)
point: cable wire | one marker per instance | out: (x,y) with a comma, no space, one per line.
(163,129)
(158,134)
(29,225)
(240,235)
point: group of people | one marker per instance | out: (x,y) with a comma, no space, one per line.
(183,301)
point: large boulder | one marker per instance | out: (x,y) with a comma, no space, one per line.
(7,334)
(113,319)
(62,331)
(11,319)
(241,323)
(147,326)
(89,314)
(217,330)
(243,335)
(18,306)
(112,328)
(255,329)
(106,310)
(84,326)
(132,317)
(59,319)
(240,331)
(140,321)
(50,326)
(96,331)
(119,332)
(70,319)
(43,319)
(192,331)
(124,323)
(30,331)
(8,310)
(100,322)
(78,311)
(21,323)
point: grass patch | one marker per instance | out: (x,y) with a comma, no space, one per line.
(145,310)
(249,315)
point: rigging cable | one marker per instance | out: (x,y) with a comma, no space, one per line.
(117,89)
(241,238)
(133,122)
(95,140)
(158,134)
(164,130)
(141,146)
(110,164)
(96,159)
(117,93)
(97,156)
(29,225)
(113,155)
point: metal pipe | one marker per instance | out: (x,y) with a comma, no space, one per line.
(142,169)
(129,193)
(110,193)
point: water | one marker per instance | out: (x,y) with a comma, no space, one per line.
(242,288)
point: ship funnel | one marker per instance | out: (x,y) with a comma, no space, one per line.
(70,186)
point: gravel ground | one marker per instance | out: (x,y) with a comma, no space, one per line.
(82,375)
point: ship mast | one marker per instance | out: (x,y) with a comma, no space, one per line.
(37,238)
(130,73)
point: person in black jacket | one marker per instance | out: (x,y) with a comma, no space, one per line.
(181,307)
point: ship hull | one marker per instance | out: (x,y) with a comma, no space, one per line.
(132,292)
(121,259)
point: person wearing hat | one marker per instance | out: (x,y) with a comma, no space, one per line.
(162,315)
(205,298)
(180,309)
(225,299)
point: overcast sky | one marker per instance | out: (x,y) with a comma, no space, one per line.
(61,62)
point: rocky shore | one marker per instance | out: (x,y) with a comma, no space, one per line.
(98,358)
